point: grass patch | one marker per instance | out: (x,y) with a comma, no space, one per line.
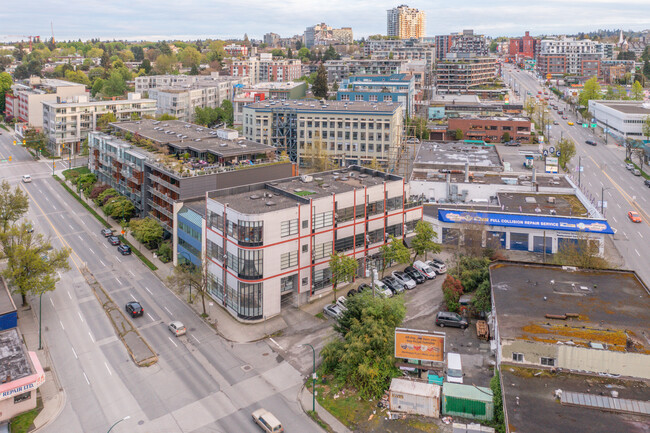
(75,172)
(321,316)
(342,402)
(643,173)
(4,127)
(82,202)
(139,254)
(313,415)
(23,422)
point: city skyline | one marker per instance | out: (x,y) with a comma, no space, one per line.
(166,19)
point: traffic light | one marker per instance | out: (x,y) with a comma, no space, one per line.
(10,159)
(14,142)
(24,142)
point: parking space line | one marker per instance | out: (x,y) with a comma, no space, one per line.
(614,218)
(276,343)
(152,319)
(69,295)
(197,340)
(91,250)
(70,225)
(637,253)
(133,297)
(640,235)
(118,281)
(170,339)
(147,289)
(62,327)
(103,264)
(105,246)
(118,259)
(80,238)
(131,273)
(91,337)
(51,302)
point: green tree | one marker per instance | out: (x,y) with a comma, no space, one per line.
(32,264)
(458,134)
(166,116)
(331,54)
(583,254)
(227,112)
(5,86)
(165,64)
(13,204)
(394,251)
(95,53)
(97,87)
(194,70)
(277,52)
(591,90)
(105,119)
(115,85)
(319,89)
(190,56)
(610,94)
(315,155)
(303,52)
(208,116)
(637,91)
(567,149)
(424,240)
(146,65)
(452,290)
(147,231)
(343,269)
(85,182)
(529,106)
(35,139)
(77,77)
(104,196)
(646,69)
(646,127)
(119,208)
(187,274)
(506,137)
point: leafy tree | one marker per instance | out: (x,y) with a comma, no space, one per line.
(289,53)
(104,196)
(35,139)
(164,48)
(591,90)
(97,87)
(77,77)
(319,89)
(610,94)
(147,231)
(277,52)
(363,359)
(227,112)
(452,290)
(638,153)
(637,91)
(190,56)
(5,86)
(146,65)
(85,182)
(105,119)
(582,253)
(646,68)
(185,275)
(115,85)
(95,53)
(646,127)
(315,155)
(97,190)
(458,134)
(626,55)
(5,61)
(506,137)
(138,53)
(394,251)
(166,116)
(126,55)
(529,106)
(343,269)
(32,265)
(303,52)
(567,149)
(13,204)
(165,64)
(119,207)
(331,54)
(165,252)
(194,70)
(208,116)
(419,127)
(423,242)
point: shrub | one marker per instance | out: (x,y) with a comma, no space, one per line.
(452,289)
(165,252)
(97,189)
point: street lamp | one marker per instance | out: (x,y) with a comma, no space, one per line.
(40,314)
(119,421)
(602,198)
(313,378)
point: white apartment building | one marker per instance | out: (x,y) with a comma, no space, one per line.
(67,122)
(266,68)
(269,244)
(405,22)
(571,56)
(351,132)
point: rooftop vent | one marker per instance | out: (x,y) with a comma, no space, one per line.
(197,139)
(363,176)
(255,197)
(270,203)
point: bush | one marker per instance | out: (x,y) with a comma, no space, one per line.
(105,195)
(165,252)
(452,290)
(97,189)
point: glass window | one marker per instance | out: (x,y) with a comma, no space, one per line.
(375,207)
(250,300)
(321,278)
(215,286)
(323,250)
(288,260)
(344,244)
(394,203)
(22,397)
(251,264)
(250,232)
(215,251)
(548,361)
(519,357)
(324,219)
(216,221)
(289,228)
(289,284)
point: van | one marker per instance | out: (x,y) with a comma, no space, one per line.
(425,269)
(454,368)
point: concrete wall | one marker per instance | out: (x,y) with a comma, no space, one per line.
(477,191)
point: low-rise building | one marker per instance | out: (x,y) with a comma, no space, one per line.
(460,73)
(269,244)
(491,129)
(375,88)
(236,50)
(448,106)
(266,68)
(264,92)
(349,132)
(621,119)
(67,121)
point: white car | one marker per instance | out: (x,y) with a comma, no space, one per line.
(425,269)
(403,278)
(267,421)
(333,311)
(438,266)
(383,290)
(27,178)
(340,302)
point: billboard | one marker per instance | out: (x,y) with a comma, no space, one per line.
(421,345)
(568,224)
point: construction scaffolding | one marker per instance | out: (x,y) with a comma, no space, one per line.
(401,156)
(284,131)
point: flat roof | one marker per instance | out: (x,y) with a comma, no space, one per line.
(274,85)
(93,103)
(612,307)
(629,107)
(197,205)
(542,204)
(456,154)
(14,360)
(284,193)
(489,178)
(328,106)
(530,404)
(498,118)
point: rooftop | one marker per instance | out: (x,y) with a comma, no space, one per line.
(14,361)
(284,193)
(530,404)
(627,107)
(542,204)
(274,85)
(605,307)
(328,106)
(96,103)
(489,178)
(449,154)
(495,118)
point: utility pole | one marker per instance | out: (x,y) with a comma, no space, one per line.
(579,169)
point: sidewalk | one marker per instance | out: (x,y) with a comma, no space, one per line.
(51,393)
(306,402)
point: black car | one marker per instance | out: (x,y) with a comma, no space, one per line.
(394,285)
(107,232)
(591,143)
(114,240)
(447,318)
(415,274)
(647,183)
(352,292)
(134,309)
(363,287)
(124,249)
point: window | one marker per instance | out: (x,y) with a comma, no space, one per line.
(22,397)
(519,357)
(344,244)
(250,232)
(250,300)
(358,97)
(394,203)
(344,214)
(324,219)
(322,250)
(251,264)
(305,224)
(547,361)
(289,228)
(288,260)
(305,281)
(215,286)
(321,278)
(375,208)
(216,221)
(288,284)
(305,248)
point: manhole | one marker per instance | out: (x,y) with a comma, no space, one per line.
(246,367)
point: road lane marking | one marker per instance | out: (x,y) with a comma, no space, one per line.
(103,264)
(75,353)
(614,219)
(637,253)
(105,246)
(152,319)
(108,369)
(276,343)
(52,302)
(80,238)
(197,340)
(86,377)
(80,316)
(54,207)
(619,206)
(640,235)
(170,339)
(590,184)
(118,281)
(70,225)
(147,289)
(168,311)
(83,222)
(133,297)
(62,327)
(118,259)
(131,273)
(91,337)
(91,250)
(69,295)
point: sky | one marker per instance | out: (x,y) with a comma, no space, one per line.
(192,19)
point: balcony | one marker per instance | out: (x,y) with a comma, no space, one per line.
(159,180)
(160,209)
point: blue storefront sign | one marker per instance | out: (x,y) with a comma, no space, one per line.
(528,221)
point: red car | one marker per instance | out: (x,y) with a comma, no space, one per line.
(634,217)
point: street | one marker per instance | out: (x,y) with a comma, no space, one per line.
(603,170)
(201,382)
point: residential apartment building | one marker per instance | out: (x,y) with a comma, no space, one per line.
(563,56)
(67,121)
(183,98)
(350,132)
(490,129)
(180,161)
(338,70)
(523,47)
(24,102)
(269,244)
(236,50)
(324,35)
(465,42)
(265,92)
(405,22)
(266,68)
(459,73)
(374,88)
(272,39)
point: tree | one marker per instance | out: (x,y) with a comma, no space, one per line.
(637,91)
(13,204)
(394,251)
(138,53)
(582,253)
(418,125)
(35,139)
(497,401)
(452,290)
(529,106)
(115,85)
(319,89)
(166,116)
(506,137)
(77,77)
(331,54)
(208,116)
(567,149)
(190,56)
(147,231)
(423,241)
(315,155)
(5,86)
(164,64)
(638,153)
(277,52)
(119,207)
(86,182)
(95,53)
(289,53)
(343,269)
(185,275)
(227,112)
(303,52)
(646,127)
(194,70)
(591,90)
(146,65)
(97,87)
(626,55)
(458,134)
(105,119)
(646,69)
(32,264)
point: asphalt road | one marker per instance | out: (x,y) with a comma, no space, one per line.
(200,384)
(603,169)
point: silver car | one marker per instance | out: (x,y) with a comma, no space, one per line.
(403,278)
(332,310)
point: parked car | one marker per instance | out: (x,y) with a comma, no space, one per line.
(512,143)
(555,122)
(408,282)
(267,421)
(177,328)
(447,318)
(629,166)
(134,309)
(27,178)
(107,232)
(363,287)
(438,266)
(647,183)
(426,270)
(124,250)
(341,303)
(636,172)
(634,217)
(414,274)
(591,142)
(352,292)
(394,285)
(383,290)
(332,310)
(114,240)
